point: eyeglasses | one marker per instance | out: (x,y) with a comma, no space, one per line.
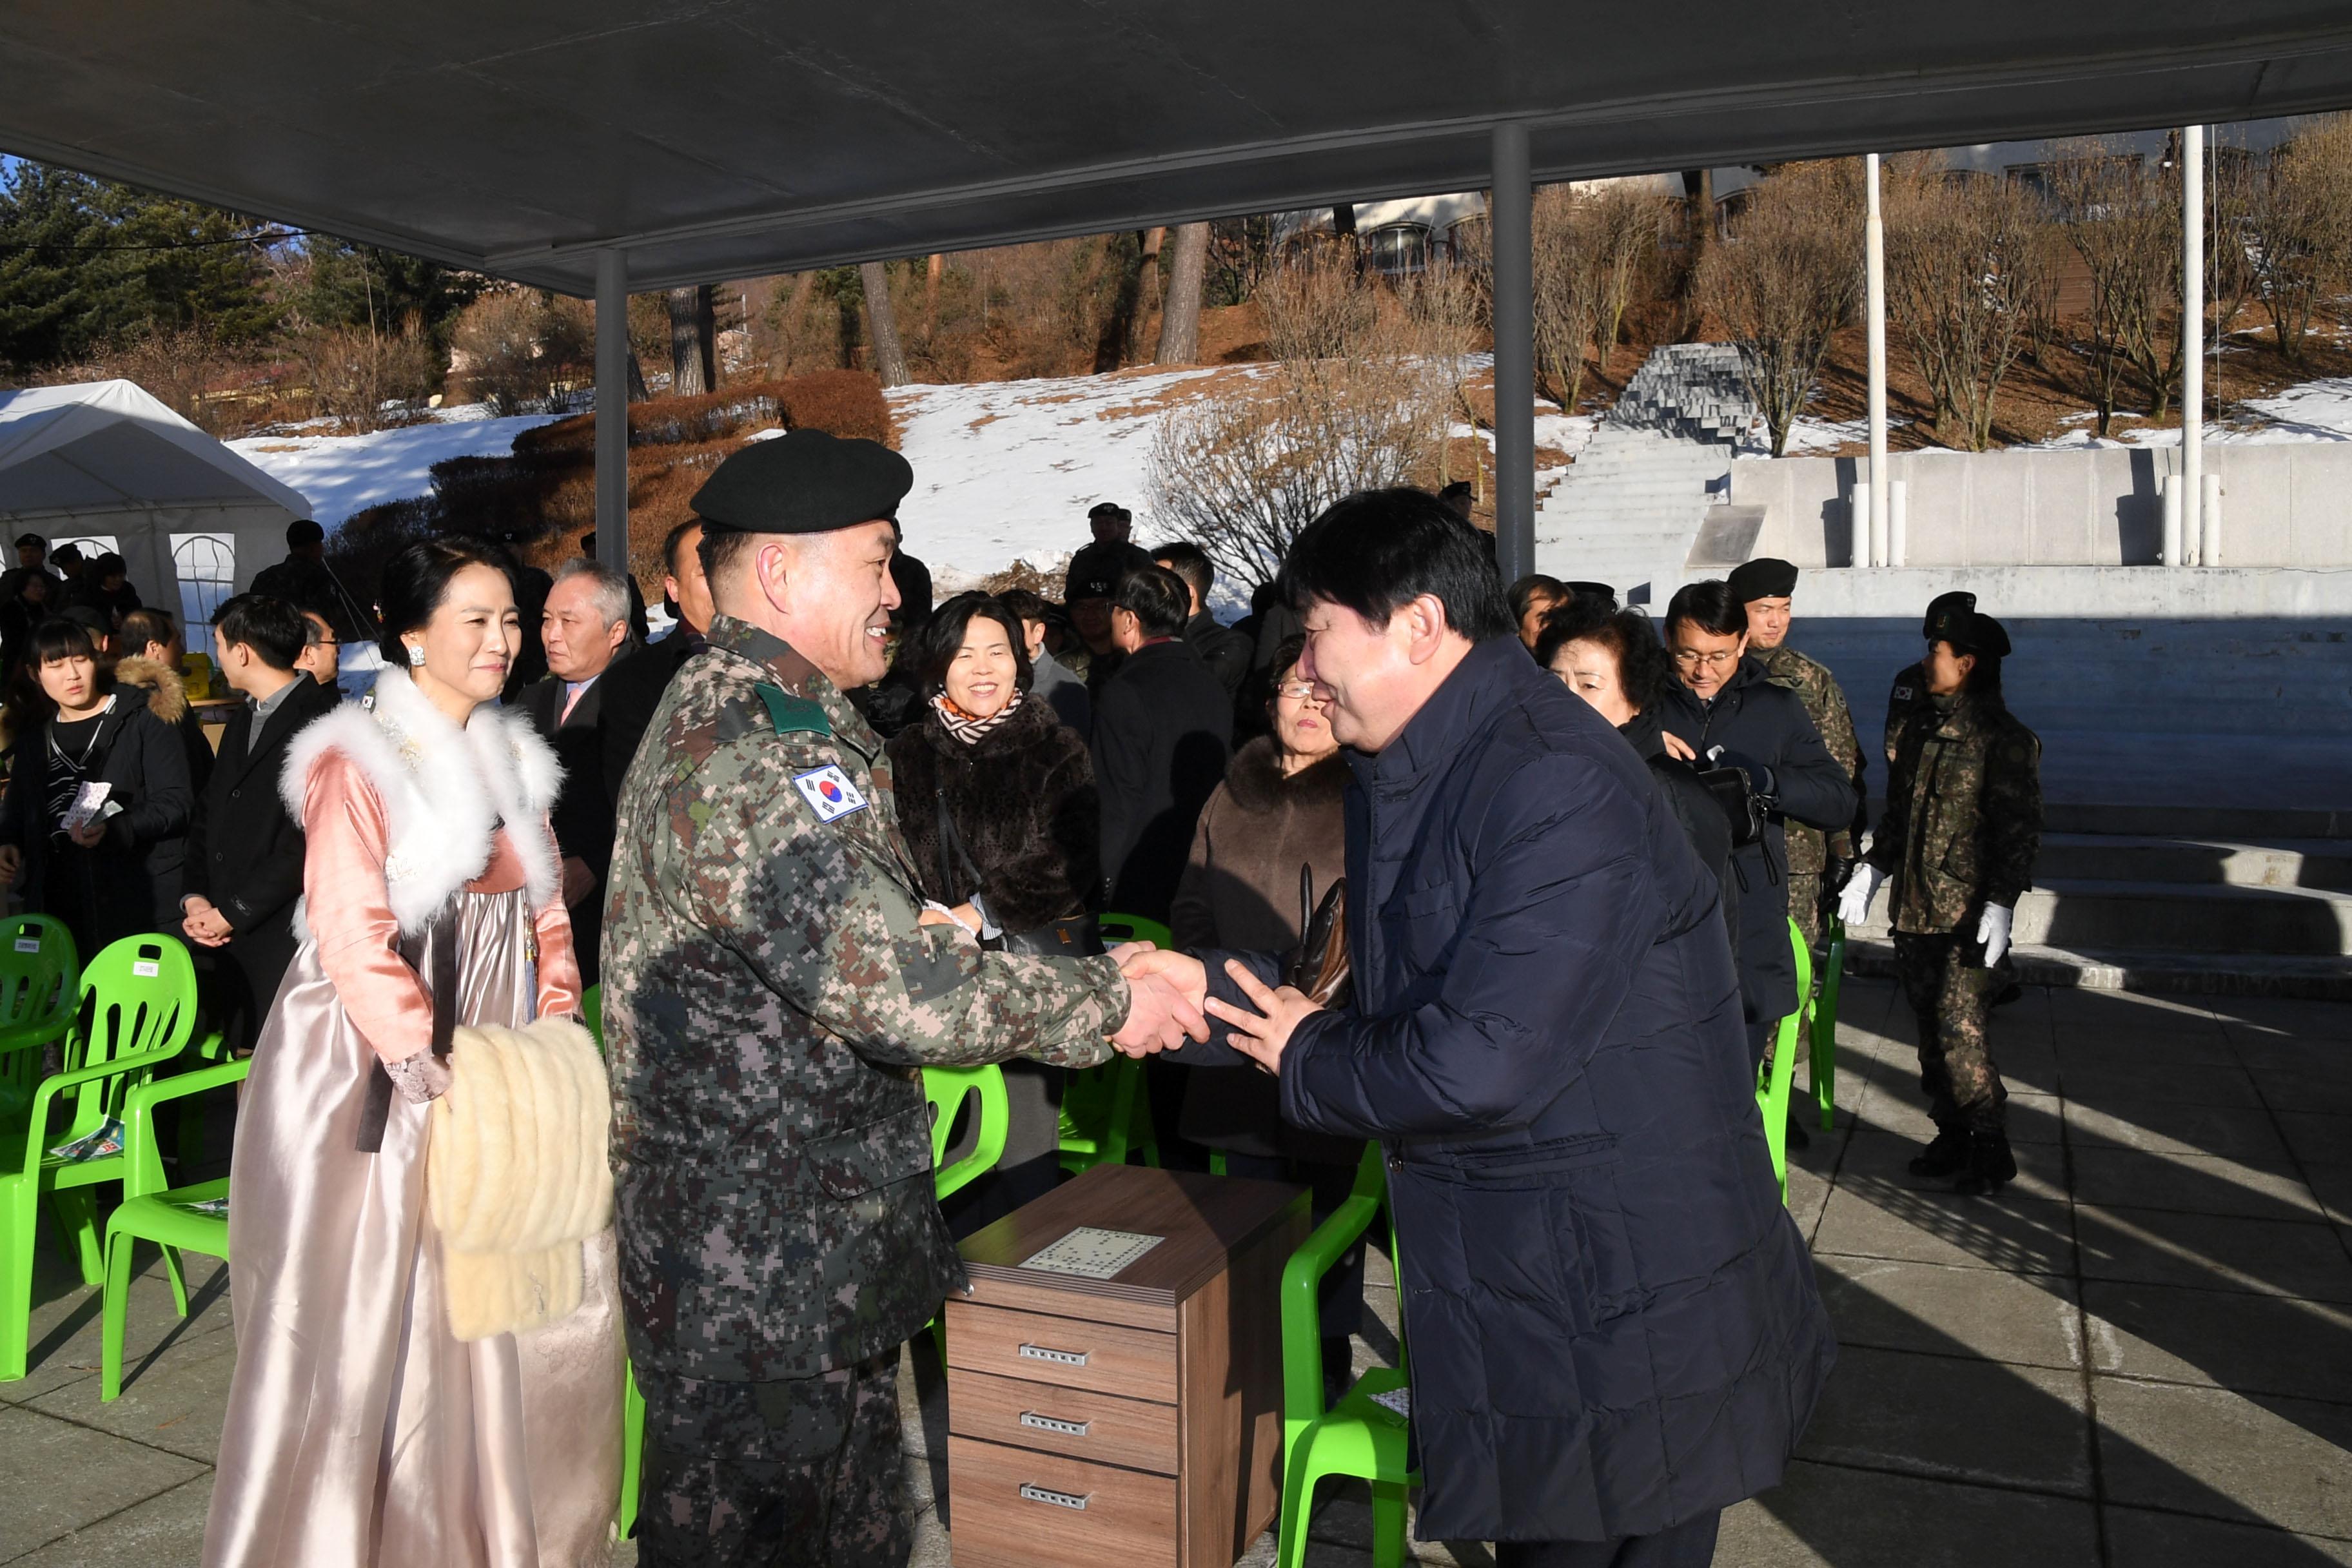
(1297,691)
(1688,659)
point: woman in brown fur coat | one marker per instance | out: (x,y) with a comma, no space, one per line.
(996,798)
(1280,809)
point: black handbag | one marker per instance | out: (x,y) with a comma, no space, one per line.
(1735,792)
(1072,936)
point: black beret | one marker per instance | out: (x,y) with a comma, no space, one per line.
(1969,631)
(24,538)
(1593,591)
(803,481)
(1941,606)
(1109,508)
(1766,577)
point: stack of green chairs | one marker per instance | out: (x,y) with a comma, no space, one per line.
(193,1218)
(1780,1071)
(1360,1437)
(1825,1013)
(40,977)
(137,1011)
(1106,1111)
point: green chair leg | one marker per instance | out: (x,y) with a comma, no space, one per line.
(632,1454)
(178,1277)
(1388,1525)
(1825,1016)
(116,1312)
(78,1233)
(18,1215)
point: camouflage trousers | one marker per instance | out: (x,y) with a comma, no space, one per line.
(802,1473)
(1951,991)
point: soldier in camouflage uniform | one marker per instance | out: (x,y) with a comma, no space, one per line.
(1963,824)
(1819,863)
(772,984)
(1910,689)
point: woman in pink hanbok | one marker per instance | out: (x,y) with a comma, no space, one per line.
(361,1431)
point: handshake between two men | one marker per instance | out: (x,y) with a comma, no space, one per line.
(1169,1004)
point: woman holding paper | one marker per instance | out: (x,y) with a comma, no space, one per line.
(362,1430)
(96,817)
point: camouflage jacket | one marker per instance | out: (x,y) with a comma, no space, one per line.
(768,997)
(1963,818)
(1906,697)
(1811,849)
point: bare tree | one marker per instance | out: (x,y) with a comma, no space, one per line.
(1785,282)
(1969,266)
(882,325)
(2123,219)
(1348,406)
(1179,318)
(2298,227)
(1445,308)
(693,340)
(1590,250)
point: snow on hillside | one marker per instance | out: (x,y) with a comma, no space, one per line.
(2309,411)
(1005,470)
(341,475)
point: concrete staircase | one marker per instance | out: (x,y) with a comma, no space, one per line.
(1631,505)
(2154,913)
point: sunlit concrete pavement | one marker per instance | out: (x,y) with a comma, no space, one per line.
(2140,1355)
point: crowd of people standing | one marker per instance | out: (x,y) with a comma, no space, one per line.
(1569,924)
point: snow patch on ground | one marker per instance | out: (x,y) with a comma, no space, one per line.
(341,475)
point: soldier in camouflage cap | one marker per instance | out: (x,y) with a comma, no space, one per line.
(1819,863)
(773,984)
(1962,827)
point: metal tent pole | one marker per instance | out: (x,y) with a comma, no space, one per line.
(1514,355)
(612,409)
(1873,547)
(2192,332)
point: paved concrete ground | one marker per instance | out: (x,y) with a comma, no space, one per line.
(2140,1356)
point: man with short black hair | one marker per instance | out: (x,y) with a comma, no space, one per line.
(1727,710)
(585,630)
(1533,596)
(105,586)
(33,554)
(245,849)
(150,648)
(1049,678)
(1819,863)
(305,581)
(1163,731)
(321,657)
(633,687)
(1092,579)
(1226,653)
(1614,1329)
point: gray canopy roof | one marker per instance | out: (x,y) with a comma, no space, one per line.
(723,138)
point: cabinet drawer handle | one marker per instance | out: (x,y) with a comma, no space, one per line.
(1049,1423)
(1059,1358)
(1060,1499)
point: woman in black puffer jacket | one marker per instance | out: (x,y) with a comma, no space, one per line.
(996,798)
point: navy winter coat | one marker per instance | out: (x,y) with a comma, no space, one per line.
(1610,1318)
(1759,722)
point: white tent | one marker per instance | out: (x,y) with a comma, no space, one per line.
(104,461)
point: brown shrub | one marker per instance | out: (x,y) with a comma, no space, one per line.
(840,403)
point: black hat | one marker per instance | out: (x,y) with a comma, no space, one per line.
(803,481)
(1766,577)
(1109,508)
(1969,631)
(1592,591)
(1942,604)
(24,538)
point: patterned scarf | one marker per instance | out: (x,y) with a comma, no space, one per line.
(962,725)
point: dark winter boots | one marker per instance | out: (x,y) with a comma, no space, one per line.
(1991,1166)
(1946,1156)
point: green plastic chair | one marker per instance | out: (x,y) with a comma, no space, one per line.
(1106,1111)
(1780,1071)
(1359,1436)
(632,1454)
(592,1014)
(1825,1013)
(40,977)
(174,1218)
(137,1011)
(946,1088)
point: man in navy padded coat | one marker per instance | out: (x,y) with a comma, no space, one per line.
(1611,1319)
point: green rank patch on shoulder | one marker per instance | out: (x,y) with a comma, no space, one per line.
(793,715)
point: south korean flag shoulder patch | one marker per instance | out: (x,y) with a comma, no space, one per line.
(829,793)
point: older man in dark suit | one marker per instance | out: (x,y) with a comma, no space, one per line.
(585,630)
(244,871)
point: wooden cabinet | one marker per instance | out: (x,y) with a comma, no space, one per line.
(1134,1422)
